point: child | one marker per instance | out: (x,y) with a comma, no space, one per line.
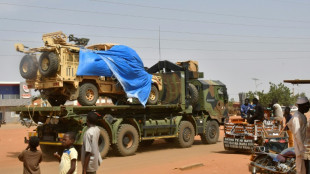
(68,164)
(32,157)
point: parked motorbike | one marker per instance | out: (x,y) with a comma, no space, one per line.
(264,162)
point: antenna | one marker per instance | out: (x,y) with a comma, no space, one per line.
(159,44)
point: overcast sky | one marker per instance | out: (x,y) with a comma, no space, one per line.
(234,41)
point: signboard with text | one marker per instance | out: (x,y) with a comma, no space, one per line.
(238,143)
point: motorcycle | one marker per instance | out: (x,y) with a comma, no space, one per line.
(264,162)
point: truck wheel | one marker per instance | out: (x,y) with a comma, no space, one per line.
(28,67)
(127,140)
(153,97)
(193,92)
(211,134)
(104,142)
(186,134)
(57,100)
(88,94)
(48,64)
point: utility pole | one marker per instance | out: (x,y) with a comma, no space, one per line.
(256,85)
(159,44)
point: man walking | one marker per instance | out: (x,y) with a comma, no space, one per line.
(298,126)
(90,156)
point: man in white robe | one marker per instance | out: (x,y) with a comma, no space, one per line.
(298,126)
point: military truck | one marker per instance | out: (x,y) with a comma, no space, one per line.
(187,106)
(54,74)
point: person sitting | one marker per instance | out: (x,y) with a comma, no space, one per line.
(277,110)
(258,111)
(245,108)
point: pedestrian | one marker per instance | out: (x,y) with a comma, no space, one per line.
(298,126)
(277,111)
(287,117)
(31,157)
(68,159)
(245,108)
(258,111)
(90,156)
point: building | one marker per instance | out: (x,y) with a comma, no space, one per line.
(13,94)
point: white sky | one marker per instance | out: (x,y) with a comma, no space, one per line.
(234,41)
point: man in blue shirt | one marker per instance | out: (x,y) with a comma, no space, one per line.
(245,107)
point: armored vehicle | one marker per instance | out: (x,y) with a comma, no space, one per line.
(187,106)
(54,74)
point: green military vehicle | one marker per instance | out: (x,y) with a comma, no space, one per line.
(187,106)
(54,73)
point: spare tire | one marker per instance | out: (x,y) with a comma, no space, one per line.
(193,92)
(48,64)
(28,67)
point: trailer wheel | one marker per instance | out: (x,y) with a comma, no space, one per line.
(104,142)
(48,64)
(211,134)
(127,140)
(186,134)
(88,94)
(28,67)
(193,92)
(153,97)
(57,100)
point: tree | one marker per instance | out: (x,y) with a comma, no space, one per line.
(280,92)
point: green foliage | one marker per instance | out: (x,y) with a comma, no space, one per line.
(280,92)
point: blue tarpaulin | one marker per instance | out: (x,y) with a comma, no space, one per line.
(121,62)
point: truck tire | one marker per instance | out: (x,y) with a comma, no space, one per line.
(88,94)
(48,64)
(186,134)
(153,97)
(104,142)
(127,140)
(211,134)
(28,67)
(57,100)
(193,92)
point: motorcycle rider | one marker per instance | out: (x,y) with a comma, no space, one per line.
(298,126)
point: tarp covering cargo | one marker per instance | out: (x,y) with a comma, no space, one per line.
(121,62)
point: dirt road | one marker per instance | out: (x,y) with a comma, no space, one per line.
(161,157)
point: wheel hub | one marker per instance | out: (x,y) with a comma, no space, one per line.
(212,132)
(152,95)
(25,67)
(128,140)
(186,134)
(45,64)
(90,95)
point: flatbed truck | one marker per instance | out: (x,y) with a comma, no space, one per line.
(187,106)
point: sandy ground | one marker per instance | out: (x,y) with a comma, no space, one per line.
(161,157)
